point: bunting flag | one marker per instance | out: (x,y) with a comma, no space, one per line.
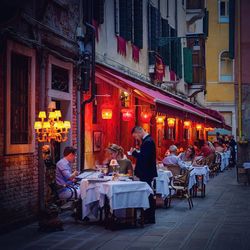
(96,25)
(159,68)
(121,45)
(172,75)
(135,53)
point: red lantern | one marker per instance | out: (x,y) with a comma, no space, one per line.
(160,119)
(127,115)
(106,114)
(145,116)
(171,122)
(187,124)
(198,126)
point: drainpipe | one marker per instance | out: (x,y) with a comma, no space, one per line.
(93,94)
(239,77)
(41,171)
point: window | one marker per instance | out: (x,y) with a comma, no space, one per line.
(226,67)
(20,108)
(223,11)
(60,79)
(129,20)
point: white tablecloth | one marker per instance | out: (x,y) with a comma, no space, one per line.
(246,165)
(204,170)
(122,194)
(162,182)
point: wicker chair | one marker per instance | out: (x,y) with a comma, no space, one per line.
(175,169)
(180,184)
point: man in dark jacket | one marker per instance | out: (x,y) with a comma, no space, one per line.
(145,168)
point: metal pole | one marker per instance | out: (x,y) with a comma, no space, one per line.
(239,76)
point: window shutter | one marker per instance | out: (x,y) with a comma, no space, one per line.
(154,32)
(125,19)
(138,23)
(98,9)
(165,49)
(179,59)
(173,51)
(188,65)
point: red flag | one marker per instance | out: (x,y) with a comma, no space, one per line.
(135,53)
(159,68)
(121,45)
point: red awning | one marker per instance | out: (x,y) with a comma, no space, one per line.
(164,103)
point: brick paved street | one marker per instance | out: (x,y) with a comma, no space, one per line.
(220,221)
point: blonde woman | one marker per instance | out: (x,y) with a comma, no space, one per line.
(116,152)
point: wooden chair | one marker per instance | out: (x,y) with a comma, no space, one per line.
(180,183)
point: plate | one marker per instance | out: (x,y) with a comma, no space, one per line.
(97,180)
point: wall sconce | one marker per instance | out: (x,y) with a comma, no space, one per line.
(146,116)
(127,114)
(171,122)
(53,128)
(187,124)
(107,114)
(160,119)
(198,126)
(125,99)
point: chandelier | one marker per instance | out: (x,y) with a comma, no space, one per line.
(52,128)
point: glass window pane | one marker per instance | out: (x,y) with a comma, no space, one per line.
(60,78)
(20,66)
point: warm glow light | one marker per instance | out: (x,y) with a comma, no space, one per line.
(67,124)
(52,115)
(38,125)
(42,114)
(187,124)
(146,116)
(127,115)
(46,125)
(209,129)
(171,122)
(52,128)
(160,119)
(106,114)
(198,126)
(58,113)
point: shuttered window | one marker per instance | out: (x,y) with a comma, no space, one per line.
(98,11)
(154,31)
(173,51)
(165,49)
(125,19)
(188,65)
(179,58)
(138,23)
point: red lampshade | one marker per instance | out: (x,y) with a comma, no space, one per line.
(107,114)
(160,119)
(187,124)
(127,115)
(198,126)
(171,122)
(146,116)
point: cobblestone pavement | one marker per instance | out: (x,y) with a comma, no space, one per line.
(221,220)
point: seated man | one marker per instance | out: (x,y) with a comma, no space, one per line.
(64,175)
(172,158)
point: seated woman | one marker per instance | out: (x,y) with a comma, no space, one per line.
(116,152)
(187,157)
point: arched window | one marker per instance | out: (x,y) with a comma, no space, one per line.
(226,67)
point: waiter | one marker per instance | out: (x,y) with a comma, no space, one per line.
(145,168)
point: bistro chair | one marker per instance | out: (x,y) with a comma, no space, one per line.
(71,204)
(215,166)
(180,184)
(175,169)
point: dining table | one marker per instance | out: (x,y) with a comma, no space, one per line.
(96,192)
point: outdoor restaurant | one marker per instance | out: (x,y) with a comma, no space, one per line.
(107,191)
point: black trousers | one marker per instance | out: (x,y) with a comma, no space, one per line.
(149,213)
